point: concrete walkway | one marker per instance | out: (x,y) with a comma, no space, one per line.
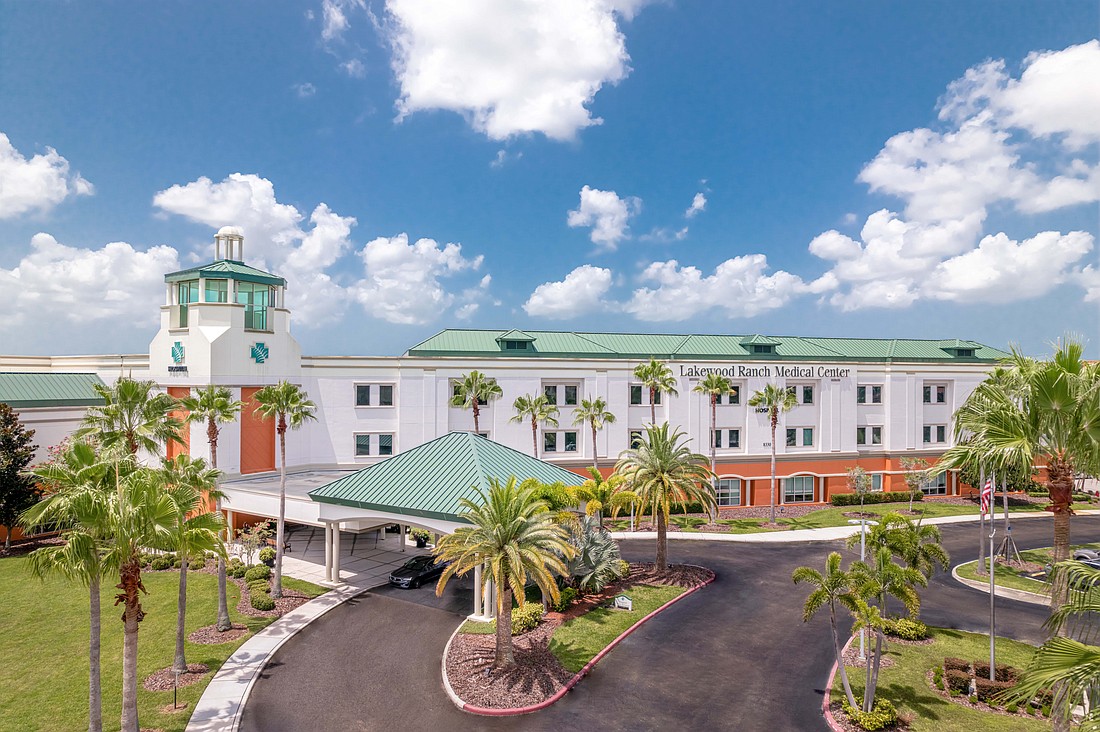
(831,533)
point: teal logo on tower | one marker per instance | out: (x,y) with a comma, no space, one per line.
(259,352)
(177,352)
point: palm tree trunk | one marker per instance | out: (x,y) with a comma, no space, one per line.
(224,623)
(595,461)
(840,660)
(662,539)
(652,407)
(869,693)
(535,438)
(477,412)
(130,585)
(179,665)
(277,585)
(774,421)
(95,683)
(504,654)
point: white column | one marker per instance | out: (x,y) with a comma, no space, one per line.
(336,552)
(477,590)
(328,550)
(490,599)
(404,536)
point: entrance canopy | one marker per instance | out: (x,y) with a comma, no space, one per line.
(430,481)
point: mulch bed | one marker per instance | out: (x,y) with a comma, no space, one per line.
(538,674)
(291,599)
(210,635)
(842,721)
(163,680)
(20,547)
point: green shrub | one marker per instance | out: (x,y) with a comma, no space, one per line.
(526,618)
(263,602)
(987,689)
(852,499)
(260,571)
(955,663)
(1003,672)
(259,585)
(565,599)
(907,629)
(937,677)
(196,564)
(973,699)
(1046,711)
(957,681)
(237,571)
(1012,708)
(881,716)
(267,554)
(622,568)
(177,562)
(234,562)
(160,563)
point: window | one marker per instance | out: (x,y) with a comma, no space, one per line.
(515,345)
(635,439)
(874,391)
(732,437)
(362,445)
(964,352)
(937,486)
(570,441)
(876,482)
(937,390)
(807,437)
(657,397)
(803,393)
(385,444)
(570,395)
(383,392)
(798,489)
(938,431)
(551,394)
(217,290)
(862,433)
(757,348)
(255,298)
(792,437)
(569,391)
(549,441)
(385,395)
(729,492)
(733,396)
(362,395)
(635,394)
(186,293)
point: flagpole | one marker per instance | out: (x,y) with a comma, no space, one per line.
(992,592)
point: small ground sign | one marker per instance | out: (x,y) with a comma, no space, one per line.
(622,602)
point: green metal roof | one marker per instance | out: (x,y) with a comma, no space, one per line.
(226,269)
(516,335)
(22,390)
(642,346)
(430,480)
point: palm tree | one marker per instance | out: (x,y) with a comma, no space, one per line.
(829,589)
(656,377)
(596,557)
(537,409)
(134,415)
(594,412)
(80,490)
(514,534)
(288,404)
(913,542)
(662,471)
(776,400)
(604,494)
(714,386)
(472,390)
(195,531)
(1034,412)
(215,405)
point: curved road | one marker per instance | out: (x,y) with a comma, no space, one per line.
(735,655)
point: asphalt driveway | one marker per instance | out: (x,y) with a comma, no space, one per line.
(735,655)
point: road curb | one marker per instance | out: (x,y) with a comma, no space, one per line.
(1034,598)
(516,711)
(827,701)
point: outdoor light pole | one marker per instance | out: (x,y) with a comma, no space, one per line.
(862,557)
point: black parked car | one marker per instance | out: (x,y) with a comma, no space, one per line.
(417,571)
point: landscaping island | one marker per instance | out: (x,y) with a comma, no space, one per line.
(554,654)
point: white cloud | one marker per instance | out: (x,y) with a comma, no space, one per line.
(502,157)
(739,287)
(354,68)
(607,214)
(698,205)
(1002,270)
(334,18)
(509,67)
(1058,93)
(69,287)
(663,235)
(305,90)
(580,293)
(1089,278)
(37,184)
(402,283)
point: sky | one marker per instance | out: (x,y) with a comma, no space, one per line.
(855,169)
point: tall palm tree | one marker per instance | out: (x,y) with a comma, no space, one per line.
(604,494)
(713,386)
(537,409)
(215,405)
(473,389)
(776,400)
(662,471)
(594,413)
(656,377)
(133,415)
(916,544)
(195,532)
(829,589)
(80,490)
(1033,412)
(514,534)
(289,406)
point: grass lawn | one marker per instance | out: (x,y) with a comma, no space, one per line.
(577,641)
(44,645)
(905,685)
(1008,577)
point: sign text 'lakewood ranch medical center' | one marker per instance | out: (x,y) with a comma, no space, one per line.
(767,371)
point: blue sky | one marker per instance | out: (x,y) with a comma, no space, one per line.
(856,169)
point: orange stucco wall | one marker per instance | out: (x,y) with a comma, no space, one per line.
(257,436)
(175,448)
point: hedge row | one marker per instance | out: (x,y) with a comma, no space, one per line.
(852,499)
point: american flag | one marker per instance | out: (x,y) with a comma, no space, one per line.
(987,494)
